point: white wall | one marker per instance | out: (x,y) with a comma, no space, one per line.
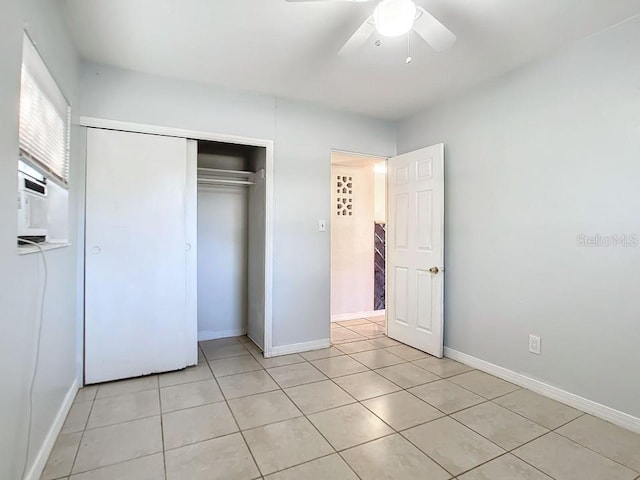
(223,245)
(352,243)
(128,96)
(21,276)
(58,213)
(533,160)
(303,136)
(380,195)
(222,261)
(257,249)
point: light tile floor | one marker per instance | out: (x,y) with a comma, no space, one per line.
(367,408)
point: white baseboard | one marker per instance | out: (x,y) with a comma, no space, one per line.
(300,347)
(596,409)
(40,461)
(214,335)
(341,317)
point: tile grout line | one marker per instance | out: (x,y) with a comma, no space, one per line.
(164,458)
(90,429)
(75,457)
(120,462)
(394,431)
(360,402)
(233,415)
(450,415)
(512,450)
(361,325)
(549,430)
(506,452)
(365,337)
(306,416)
(127,393)
(587,447)
(335,451)
(119,423)
(198,441)
(356,401)
(368,369)
(279,388)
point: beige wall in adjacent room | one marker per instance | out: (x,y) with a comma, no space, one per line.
(352,243)
(380,192)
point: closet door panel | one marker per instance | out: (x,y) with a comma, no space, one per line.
(136,256)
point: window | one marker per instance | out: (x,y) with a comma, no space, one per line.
(44,118)
(43,160)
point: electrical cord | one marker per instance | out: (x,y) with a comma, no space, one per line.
(37,355)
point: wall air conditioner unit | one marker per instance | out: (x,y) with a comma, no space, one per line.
(32,205)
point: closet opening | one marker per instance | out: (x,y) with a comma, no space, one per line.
(231,224)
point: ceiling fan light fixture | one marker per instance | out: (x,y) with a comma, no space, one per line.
(394,17)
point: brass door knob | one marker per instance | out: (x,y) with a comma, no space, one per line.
(434,270)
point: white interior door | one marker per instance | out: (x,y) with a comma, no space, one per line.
(415,249)
(138,313)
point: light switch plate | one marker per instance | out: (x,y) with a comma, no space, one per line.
(322,225)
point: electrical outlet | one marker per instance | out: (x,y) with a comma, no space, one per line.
(534,344)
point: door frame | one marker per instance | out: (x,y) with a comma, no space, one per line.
(215,137)
(381,158)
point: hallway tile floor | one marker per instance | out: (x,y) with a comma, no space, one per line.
(367,408)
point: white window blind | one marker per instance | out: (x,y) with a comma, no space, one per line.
(44,118)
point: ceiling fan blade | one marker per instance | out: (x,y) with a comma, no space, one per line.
(433,32)
(359,38)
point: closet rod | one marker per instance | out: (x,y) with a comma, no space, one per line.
(223,181)
(220,171)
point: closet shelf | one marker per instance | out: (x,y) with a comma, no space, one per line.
(219,172)
(223,181)
(218,176)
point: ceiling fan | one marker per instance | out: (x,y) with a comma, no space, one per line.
(393,18)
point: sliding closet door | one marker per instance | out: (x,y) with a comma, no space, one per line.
(138,319)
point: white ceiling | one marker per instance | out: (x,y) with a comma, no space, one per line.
(289,49)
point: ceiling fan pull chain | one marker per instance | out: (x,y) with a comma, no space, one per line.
(409,57)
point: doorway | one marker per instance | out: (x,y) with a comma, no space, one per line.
(411,235)
(358,237)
